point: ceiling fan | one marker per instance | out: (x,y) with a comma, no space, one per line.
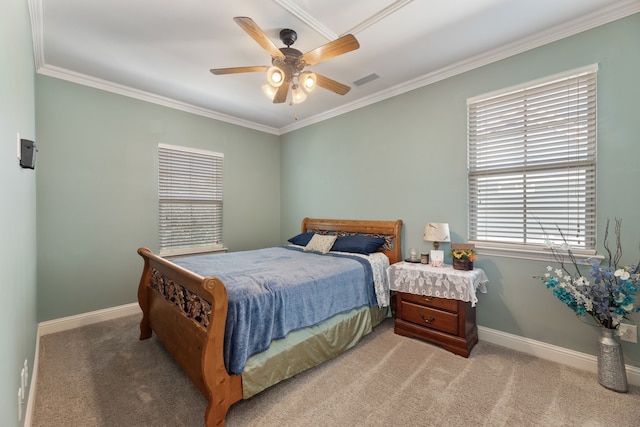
(287,69)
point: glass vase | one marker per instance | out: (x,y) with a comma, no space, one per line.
(611,369)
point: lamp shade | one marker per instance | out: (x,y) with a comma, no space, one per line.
(437,232)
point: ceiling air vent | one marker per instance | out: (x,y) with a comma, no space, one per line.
(366,79)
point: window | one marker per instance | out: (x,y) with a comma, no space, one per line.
(190,200)
(532,162)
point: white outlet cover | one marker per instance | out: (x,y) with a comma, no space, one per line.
(20,404)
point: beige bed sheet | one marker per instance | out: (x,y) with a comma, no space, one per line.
(309,347)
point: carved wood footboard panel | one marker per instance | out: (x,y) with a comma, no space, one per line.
(197,350)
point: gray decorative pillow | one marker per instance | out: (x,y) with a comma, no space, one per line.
(319,243)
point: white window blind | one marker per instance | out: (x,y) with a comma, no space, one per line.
(532,162)
(190,200)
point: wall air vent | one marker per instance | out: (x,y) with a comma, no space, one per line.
(366,79)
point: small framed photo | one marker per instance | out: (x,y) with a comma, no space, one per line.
(437,258)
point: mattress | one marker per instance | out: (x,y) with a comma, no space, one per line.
(275,291)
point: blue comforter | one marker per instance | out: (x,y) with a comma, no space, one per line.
(277,290)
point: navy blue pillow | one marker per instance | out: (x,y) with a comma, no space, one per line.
(358,244)
(301,239)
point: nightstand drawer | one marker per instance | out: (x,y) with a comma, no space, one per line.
(442,303)
(429,317)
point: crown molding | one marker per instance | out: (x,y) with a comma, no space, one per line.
(297,11)
(603,16)
(41,66)
(37,24)
(85,80)
(305,17)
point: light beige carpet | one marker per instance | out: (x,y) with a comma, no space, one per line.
(101,375)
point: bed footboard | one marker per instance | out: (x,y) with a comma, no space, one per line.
(197,350)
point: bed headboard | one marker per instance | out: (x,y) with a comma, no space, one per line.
(390,230)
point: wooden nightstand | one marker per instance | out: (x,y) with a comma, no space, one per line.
(437,304)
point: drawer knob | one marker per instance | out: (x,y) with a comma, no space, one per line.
(429,320)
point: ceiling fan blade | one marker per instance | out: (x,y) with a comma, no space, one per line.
(332,85)
(251,28)
(337,47)
(235,70)
(281,94)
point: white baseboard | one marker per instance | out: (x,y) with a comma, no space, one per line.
(63,324)
(31,398)
(550,352)
(535,348)
(71,322)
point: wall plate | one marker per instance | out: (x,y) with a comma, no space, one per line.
(628,332)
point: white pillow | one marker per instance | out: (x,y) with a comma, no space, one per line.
(320,243)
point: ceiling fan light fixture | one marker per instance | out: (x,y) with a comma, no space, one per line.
(269,90)
(275,76)
(297,94)
(285,74)
(308,80)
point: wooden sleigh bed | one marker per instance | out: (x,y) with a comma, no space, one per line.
(198,348)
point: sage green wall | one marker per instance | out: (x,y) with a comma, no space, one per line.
(405,158)
(17,207)
(97,190)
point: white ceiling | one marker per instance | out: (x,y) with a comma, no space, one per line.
(161,50)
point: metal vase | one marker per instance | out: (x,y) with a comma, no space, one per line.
(611,369)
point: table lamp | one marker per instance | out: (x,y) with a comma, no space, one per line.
(436,232)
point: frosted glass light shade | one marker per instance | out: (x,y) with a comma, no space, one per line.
(269,90)
(297,94)
(308,80)
(275,76)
